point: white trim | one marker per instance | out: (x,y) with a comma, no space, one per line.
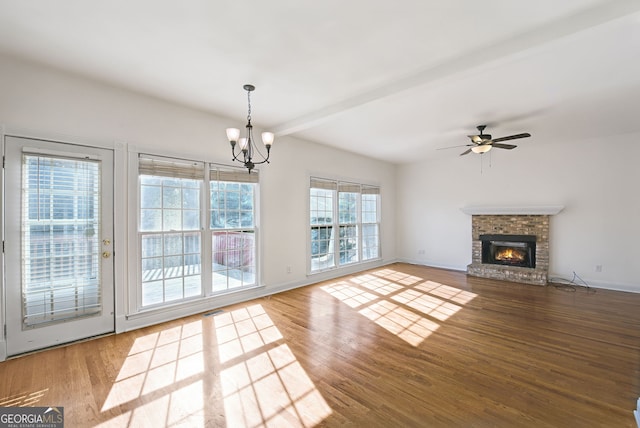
(3,282)
(512,210)
(120,233)
(58,138)
(53,153)
(131,289)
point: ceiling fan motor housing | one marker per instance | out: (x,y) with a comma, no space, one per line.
(482,136)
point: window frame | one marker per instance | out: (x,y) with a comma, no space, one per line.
(207,173)
(354,222)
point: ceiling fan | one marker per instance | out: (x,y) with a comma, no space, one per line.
(482,143)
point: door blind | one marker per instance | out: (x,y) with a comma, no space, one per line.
(60,239)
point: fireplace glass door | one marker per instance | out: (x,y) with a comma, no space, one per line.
(509,250)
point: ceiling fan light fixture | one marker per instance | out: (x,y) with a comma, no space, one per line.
(484,148)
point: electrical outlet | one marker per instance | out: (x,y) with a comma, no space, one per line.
(598,268)
(288,269)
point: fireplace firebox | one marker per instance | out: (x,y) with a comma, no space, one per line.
(509,250)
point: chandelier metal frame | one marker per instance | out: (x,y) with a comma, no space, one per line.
(246,145)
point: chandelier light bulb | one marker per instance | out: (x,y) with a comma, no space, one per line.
(233,134)
(267,138)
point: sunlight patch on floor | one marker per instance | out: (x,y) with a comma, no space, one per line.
(27,399)
(352,296)
(263,384)
(253,379)
(407,325)
(244,330)
(405,305)
(155,363)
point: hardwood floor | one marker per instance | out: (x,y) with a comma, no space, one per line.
(403,345)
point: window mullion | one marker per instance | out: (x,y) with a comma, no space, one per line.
(336,228)
(206,240)
(359,231)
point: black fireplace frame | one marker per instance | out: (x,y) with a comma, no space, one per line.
(491,242)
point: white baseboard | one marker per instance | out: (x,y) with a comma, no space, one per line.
(433,265)
(121,322)
(607,285)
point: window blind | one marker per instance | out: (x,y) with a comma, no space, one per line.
(235,175)
(319,183)
(348,187)
(155,165)
(370,190)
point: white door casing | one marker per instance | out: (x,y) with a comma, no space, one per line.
(59,271)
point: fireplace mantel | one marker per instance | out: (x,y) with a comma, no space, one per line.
(512,210)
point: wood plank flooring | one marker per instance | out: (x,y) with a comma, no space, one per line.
(399,346)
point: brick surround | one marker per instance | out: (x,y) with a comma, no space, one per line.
(524,224)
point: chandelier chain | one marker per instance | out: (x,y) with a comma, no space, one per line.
(249,104)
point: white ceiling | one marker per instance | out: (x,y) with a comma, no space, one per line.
(392,80)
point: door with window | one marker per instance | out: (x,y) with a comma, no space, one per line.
(58,243)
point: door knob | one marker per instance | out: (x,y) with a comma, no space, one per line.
(106,254)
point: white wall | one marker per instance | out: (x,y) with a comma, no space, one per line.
(595,180)
(54,104)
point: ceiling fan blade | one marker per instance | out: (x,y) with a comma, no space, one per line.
(453,147)
(465,152)
(512,137)
(504,146)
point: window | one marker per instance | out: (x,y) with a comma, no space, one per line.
(370,197)
(169,230)
(352,210)
(175,242)
(232,224)
(322,197)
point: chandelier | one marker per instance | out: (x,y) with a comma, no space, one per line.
(247,143)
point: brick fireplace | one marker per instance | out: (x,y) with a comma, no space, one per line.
(513,229)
